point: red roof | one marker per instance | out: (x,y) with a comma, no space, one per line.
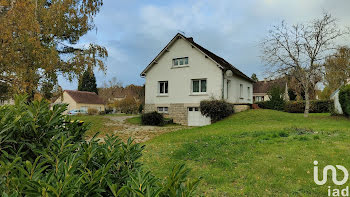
(85,97)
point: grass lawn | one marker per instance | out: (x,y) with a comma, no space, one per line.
(256,153)
(98,123)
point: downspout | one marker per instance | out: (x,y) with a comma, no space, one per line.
(223,85)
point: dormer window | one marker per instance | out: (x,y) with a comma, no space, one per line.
(183,61)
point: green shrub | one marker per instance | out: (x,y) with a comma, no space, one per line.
(344,99)
(152,118)
(43,154)
(276,101)
(317,106)
(216,109)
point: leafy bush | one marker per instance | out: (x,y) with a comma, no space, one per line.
(276,101)
(152,118)
(92,111)
(43,154)
(216,109)
(344,99)
(140,108)
(317,106)
(128,105)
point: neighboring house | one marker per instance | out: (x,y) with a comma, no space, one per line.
(261,89)
(81,100)
(335,98)
(184,73)
(7,102)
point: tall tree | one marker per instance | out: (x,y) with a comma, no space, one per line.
(300,50)
(87,82)
(39,40)
(337,68)
(254,77)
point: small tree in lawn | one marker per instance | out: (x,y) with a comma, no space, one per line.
(87,82)
(300,50)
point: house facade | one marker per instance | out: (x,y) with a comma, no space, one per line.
(81,100)
(184,73)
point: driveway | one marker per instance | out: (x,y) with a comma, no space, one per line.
(139,133)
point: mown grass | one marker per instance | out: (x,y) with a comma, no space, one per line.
(256,153)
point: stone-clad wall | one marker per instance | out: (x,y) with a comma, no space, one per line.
(178,112)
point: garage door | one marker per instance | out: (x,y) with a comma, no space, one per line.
(195,118)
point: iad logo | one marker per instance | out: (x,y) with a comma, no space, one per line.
(334,174)
(333,191)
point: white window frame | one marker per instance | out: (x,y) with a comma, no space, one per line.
(163,110)
(177,60)
(165,90)
(199,86)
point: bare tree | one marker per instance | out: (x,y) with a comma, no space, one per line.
(300,50)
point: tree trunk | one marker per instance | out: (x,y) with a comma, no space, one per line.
(307,104)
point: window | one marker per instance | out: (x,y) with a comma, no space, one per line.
(180,61)
(163,87)
(241,90)
(248,92)
(199,85)
(163,110)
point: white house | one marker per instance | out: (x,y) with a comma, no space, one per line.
(184,73)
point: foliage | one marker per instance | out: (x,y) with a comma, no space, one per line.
(43,154)
(300,50)
(140,108)
(344,99)
(87,82)
(128,105)
(39,41)
(254,77)
(337,68)
(92,111)
(152,118)
(276,101)
(4,91)
(216,109)
(316,106)
(292,95)
(47,89)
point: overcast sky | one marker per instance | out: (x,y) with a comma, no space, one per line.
(134,31)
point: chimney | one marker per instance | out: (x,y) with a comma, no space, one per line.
(265,80)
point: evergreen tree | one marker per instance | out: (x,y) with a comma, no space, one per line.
(254,77)
(87,82)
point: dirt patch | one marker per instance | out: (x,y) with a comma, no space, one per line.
(137,132)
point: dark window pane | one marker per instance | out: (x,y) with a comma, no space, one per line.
(166,87)
(181,61)
(190,108)
(204,86)
(161,87)
(166,109)
(196,109)
(176,62)
(186,60)
(196,86)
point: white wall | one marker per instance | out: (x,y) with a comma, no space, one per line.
(179,79)
(233,89)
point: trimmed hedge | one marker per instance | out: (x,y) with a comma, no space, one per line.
(152,118)
(344,99)
(316,106)
(216,109)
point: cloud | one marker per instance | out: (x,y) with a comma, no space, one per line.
(135,31)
